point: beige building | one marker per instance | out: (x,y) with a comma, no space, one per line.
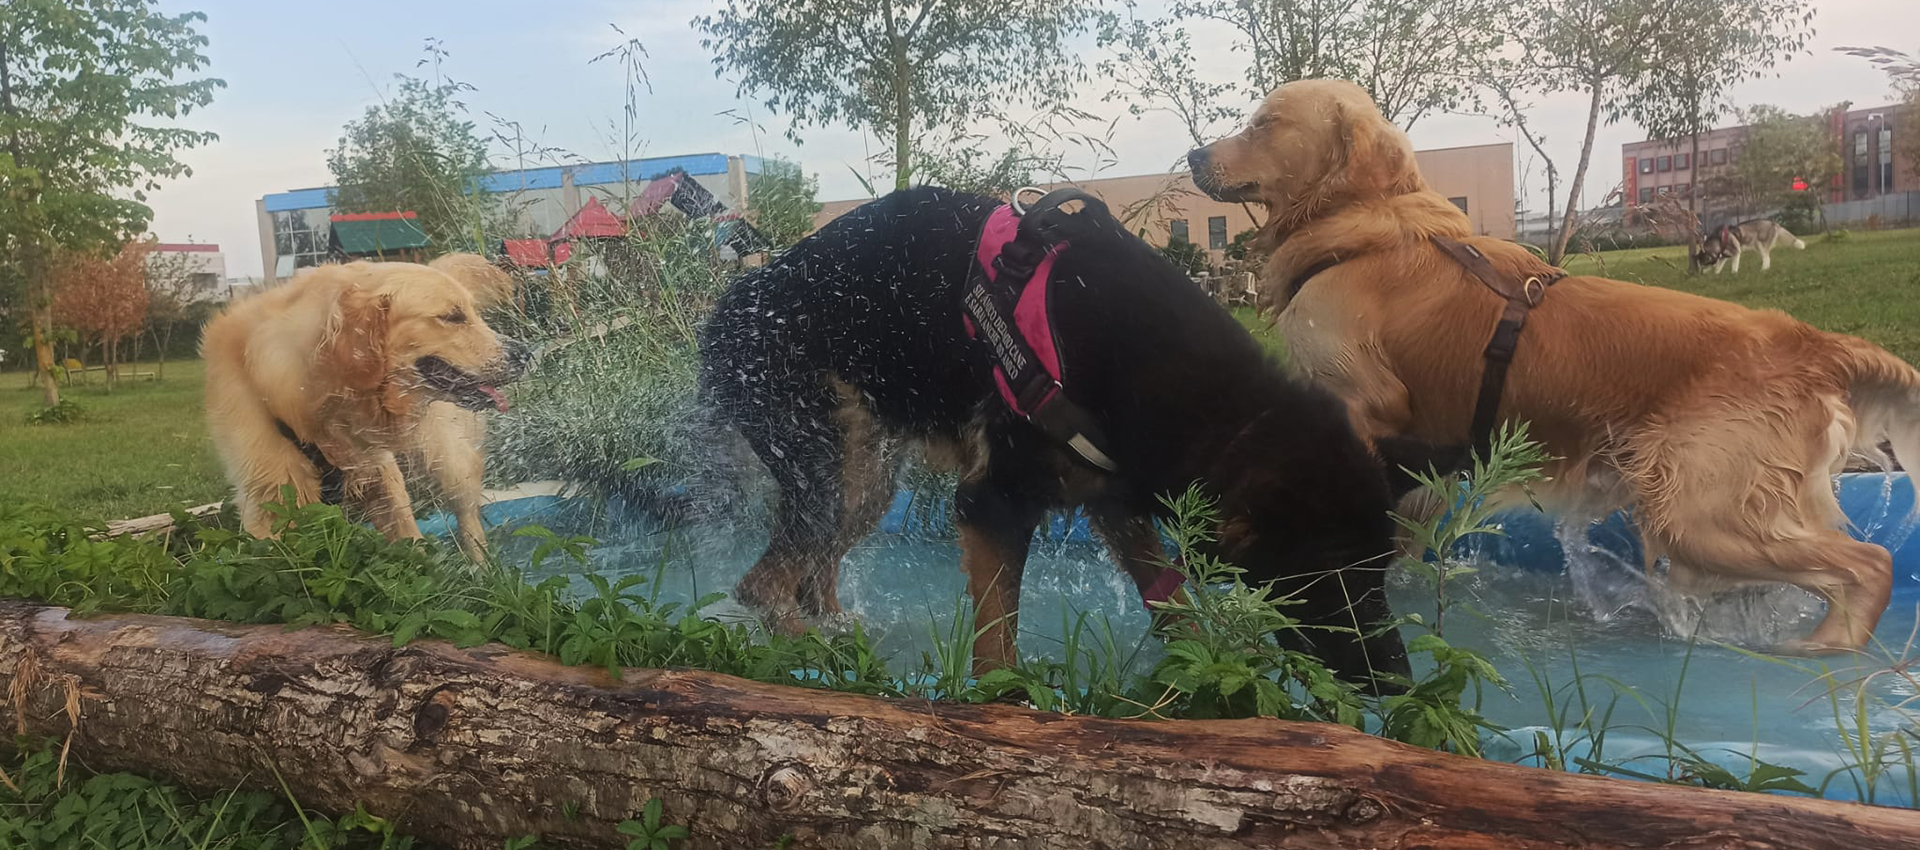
(1478,179)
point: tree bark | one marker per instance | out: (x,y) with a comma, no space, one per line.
(472,747)
(1694,188)
(902,110)
(40,292)
(1559,251)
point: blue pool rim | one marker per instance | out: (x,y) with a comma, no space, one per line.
(1879,509)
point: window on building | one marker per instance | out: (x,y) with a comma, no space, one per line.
(1665,164)
(1460,202)
(1682,162)
(1717,156)
(1646,194)
(1860,175)
(301,235)
(1177,231)
(1217,232)
(1886,160)
(1646,165)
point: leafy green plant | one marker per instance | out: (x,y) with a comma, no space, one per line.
(650,832)
(1512,462)
(66,412)
(40,811)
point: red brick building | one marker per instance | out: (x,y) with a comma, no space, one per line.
(1864,137)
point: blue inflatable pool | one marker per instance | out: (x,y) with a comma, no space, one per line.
(1879,505)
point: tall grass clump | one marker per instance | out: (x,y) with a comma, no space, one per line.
(612,400)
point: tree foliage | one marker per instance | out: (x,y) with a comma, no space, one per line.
(1711,46)
(1185,255)
(1778,149)
(973,169)
(103,298)
(781,202)
(896,68)
(1152,69)
(91,96)
(1615,53)
(1409,54)
(417,151)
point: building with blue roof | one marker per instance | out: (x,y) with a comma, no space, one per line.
(295,225)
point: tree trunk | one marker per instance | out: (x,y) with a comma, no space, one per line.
(472,747)
(1559,251)
(160,355)
(40,289)
(902,114)
(1693,206)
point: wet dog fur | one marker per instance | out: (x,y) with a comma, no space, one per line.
(1719,425)
(849,348)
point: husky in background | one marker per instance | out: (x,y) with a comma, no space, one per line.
(1730,241)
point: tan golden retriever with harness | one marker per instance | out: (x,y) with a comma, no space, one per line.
(335,381)
(1719,425)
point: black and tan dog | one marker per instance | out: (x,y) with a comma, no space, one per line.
(851,345)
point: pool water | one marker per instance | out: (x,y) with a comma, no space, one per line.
(1598,622)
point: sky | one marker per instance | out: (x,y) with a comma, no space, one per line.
(295,73)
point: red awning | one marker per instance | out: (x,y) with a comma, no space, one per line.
(592,221)
(528,253)
(561,252)
(655,195)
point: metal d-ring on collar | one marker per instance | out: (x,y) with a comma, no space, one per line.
(1019,208)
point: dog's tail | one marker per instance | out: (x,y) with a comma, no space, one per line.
(1884,392)
(1796,240)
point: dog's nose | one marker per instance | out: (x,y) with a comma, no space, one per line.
(1197,160)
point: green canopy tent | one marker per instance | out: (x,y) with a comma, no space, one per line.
(378,236)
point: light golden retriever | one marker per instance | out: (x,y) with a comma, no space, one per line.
(349,370)
(1719,425)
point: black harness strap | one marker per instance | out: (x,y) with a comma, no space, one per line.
(1299,281)
(1521,297)
(333,482)
(990,304)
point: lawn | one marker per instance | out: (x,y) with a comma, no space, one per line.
(142,449)
(1867,284)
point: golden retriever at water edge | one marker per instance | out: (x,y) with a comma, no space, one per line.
(334,381)
(1720,426)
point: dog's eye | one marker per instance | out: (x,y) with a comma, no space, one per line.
(455,316)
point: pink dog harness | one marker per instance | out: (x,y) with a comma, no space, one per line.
(1007,308)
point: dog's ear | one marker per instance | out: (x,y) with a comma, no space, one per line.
(1378,156)
(489,284)
(358,330)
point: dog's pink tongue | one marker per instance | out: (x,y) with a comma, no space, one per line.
(499,398)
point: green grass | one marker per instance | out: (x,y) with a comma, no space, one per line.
(141,449)
(1867,285)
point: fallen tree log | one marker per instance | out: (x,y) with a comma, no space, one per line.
(471,747)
